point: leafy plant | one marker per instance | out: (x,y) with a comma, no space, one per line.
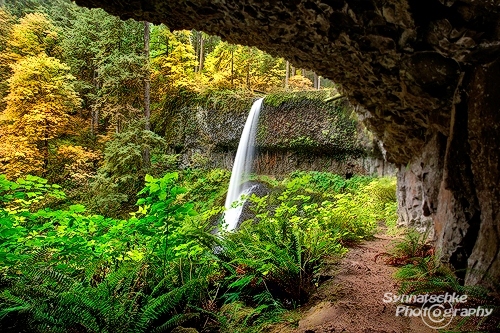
(26,192)
(322,181)
(162,264)
(40,98)
(127,300)
(413,246)
(281,253)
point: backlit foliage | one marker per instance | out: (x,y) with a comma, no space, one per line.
(39,101)
(34,34)
(67,269)
(76,164)
(18,156)
(299,83)
(6,23)
(173,66)
(236,66)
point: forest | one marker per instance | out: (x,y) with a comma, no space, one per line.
(101,227)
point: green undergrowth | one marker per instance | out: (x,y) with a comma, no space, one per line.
(72,271)
(421,272)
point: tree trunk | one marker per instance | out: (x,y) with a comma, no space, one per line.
(167,42)
(45,151)
(147,112)
(248,72)
(294,71)
(147,79)
(232,68)
(94,120)
(118,124)
(92,130)
(287,74)
(202,55)
(196,49)
(315,80)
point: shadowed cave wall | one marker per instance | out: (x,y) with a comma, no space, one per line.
(425,73)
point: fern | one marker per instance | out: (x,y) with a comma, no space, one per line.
(176,320)
(120,303)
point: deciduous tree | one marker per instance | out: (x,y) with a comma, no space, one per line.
(34,34)
(6,23)
(173,68)
(40,99)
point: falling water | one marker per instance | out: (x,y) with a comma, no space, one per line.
(242,167)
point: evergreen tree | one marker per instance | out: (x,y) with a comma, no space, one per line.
(124,168)
(110,68)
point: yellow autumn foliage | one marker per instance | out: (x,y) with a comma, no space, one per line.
(6,23)
(174,69)
(18,156)
(34,34)
(243,67)
(76,164)
(40,98)
(38,105)
(300,83)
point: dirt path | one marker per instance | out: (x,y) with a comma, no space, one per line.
(351,300)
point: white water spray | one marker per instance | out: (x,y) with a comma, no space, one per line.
(242,167)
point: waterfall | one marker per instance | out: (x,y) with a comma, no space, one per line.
(242,167)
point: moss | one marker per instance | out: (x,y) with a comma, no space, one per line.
(291,98)
(310,123)
(226,101)
(301,122)
(175,118)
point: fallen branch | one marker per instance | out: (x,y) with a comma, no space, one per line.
(334,98)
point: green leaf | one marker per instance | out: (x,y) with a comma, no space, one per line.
(77,208)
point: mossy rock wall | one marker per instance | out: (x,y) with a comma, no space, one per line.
(296,131)
(310,124)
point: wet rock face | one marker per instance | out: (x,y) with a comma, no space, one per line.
(426,74)
(418,187)
(248,210)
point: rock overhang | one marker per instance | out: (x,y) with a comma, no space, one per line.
(400,60)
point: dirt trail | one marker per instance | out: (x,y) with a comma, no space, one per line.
(351,300)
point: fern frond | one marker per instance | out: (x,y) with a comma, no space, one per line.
(176,320)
